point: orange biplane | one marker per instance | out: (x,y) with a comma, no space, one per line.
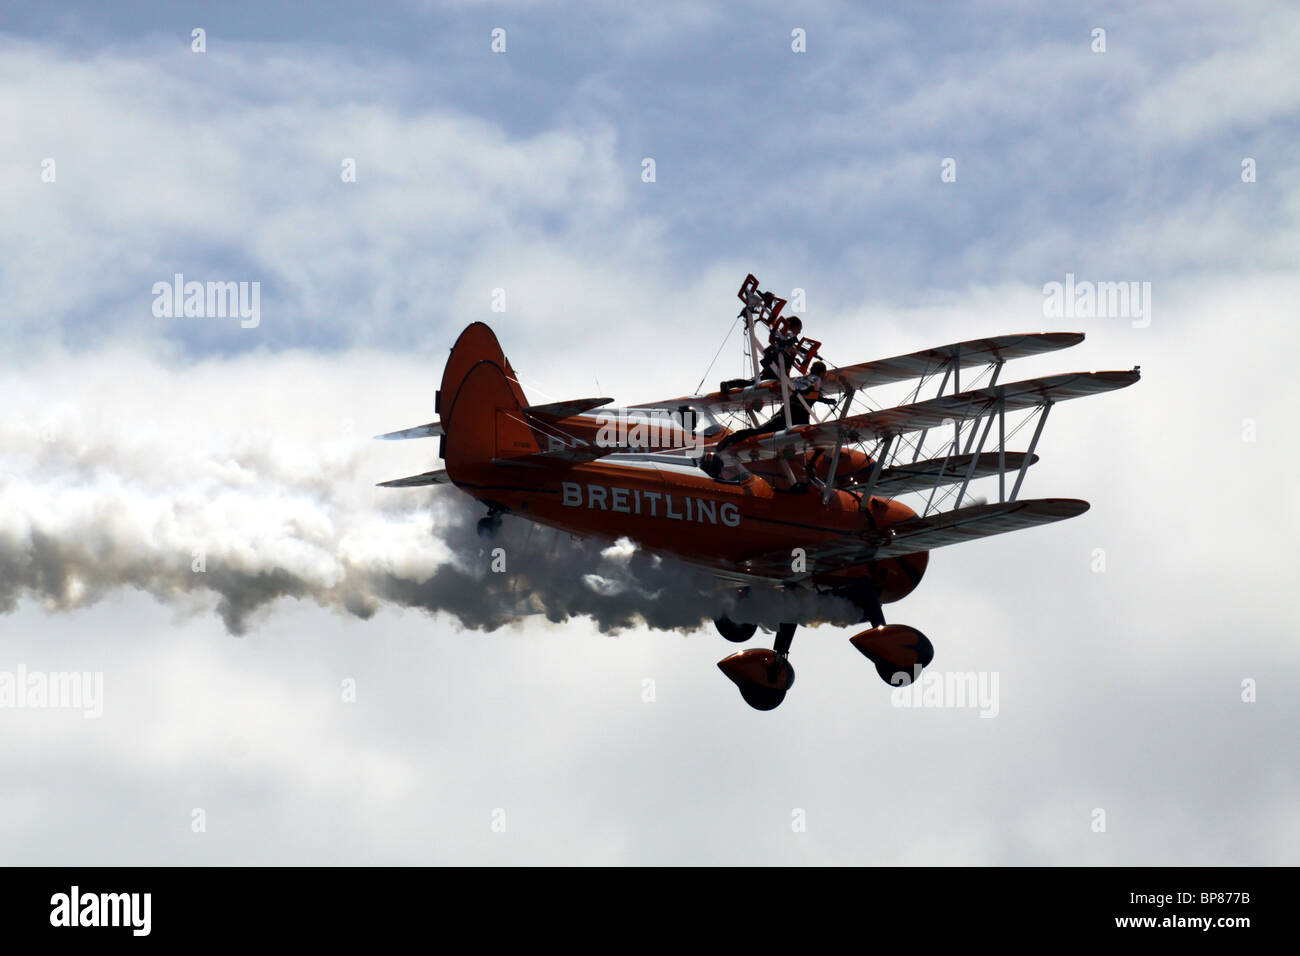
(785,504)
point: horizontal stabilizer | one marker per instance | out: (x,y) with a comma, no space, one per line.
(938,472)
(415,481)
(577,455)
(430,430)
(567,409)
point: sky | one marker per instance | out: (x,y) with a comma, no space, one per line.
(920,174)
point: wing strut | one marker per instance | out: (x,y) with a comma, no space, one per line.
(999,411)
(970,472)
(1033,443)
(997,370)
(835,455)
(1002,450)
(875,473)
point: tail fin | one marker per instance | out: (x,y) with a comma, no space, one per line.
(477,343)
(483,420)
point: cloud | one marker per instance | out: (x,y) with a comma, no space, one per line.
(227,166)
(168,162)
(1237,85)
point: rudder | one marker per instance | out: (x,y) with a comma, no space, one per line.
(477,343)
(484,420)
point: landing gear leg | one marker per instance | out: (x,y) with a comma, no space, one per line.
(867,599)
(899,652)
(784,638)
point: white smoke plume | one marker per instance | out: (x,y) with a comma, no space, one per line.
(232,485)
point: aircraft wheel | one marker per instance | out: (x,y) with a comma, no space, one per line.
(489,526)
(893,675)
(733,631)
(760,697)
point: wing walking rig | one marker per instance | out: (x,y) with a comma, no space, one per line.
(862,492)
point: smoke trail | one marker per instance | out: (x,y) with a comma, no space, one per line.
(233,522)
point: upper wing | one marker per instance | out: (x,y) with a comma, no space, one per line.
(1016,396)
(961,407)
(890,370)
(960,355)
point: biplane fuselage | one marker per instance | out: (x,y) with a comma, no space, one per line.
(696,519)
(805,505)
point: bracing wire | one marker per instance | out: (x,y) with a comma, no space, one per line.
(715,356)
